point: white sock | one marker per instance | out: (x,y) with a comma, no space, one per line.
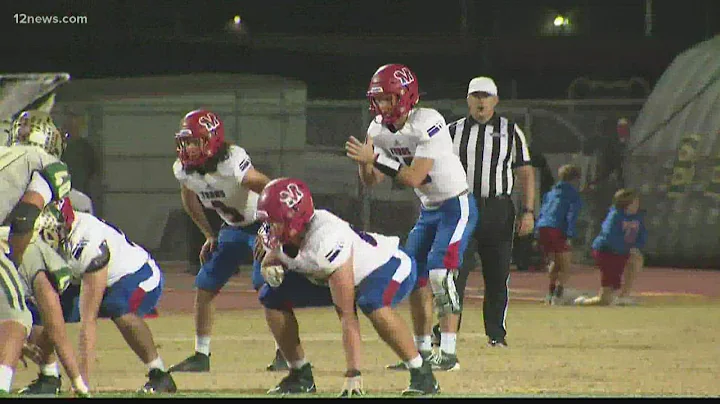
(298,363)
(6,376)
(156,363)
(50,369)
(415,362)
(447,342)
(423,342)
(202,344)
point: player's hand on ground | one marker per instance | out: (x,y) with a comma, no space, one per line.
(359,151)
(32,352)
(208,247)
(353,385)
(79,388)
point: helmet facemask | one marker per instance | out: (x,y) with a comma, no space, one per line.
(193,151)
(37,128)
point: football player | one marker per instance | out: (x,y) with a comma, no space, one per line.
(120,280)
(322,251)
(45,277)
(217,175)
(413,146)
(31,175)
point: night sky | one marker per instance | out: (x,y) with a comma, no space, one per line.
(125,38)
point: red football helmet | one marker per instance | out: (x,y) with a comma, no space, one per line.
(200,137)
(287,205)
(398,80)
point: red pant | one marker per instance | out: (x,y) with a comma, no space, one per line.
(611,266)
(552,240)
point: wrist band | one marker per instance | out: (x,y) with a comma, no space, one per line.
(352,373)
(387,165)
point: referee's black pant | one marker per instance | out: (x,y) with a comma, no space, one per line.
(493,241)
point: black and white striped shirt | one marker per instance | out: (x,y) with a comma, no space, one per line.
(489,152)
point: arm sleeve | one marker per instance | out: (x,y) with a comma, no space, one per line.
(93,256)
(58,178)
(433,142)
(241,164)
(333,252)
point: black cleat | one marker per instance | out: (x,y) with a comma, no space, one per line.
(278,363)
(400,365)
(444,361)
(422,382)
(199,362)
(298,381)
(44,385)
(497,343)
(159,382)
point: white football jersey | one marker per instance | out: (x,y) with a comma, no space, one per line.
(17,164)
(80,201)
(328,244)
(425,135)
(84,242)
(222,190)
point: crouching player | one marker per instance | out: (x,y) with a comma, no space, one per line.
(119,280)
(367,269)
(622,236)
(44,276)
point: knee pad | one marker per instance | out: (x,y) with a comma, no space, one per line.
(445,296)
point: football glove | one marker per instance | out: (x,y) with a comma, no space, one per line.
(273,274)
(353,385)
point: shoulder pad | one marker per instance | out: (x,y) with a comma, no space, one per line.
(57,176)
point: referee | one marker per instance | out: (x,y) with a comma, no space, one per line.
(493,151)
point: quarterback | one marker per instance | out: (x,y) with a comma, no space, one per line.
(413,146)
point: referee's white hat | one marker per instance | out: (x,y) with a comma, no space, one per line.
(483,84)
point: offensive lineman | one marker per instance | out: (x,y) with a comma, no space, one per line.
(413,146)
(218,175)
(367,269)
(31,176)
(120,280)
